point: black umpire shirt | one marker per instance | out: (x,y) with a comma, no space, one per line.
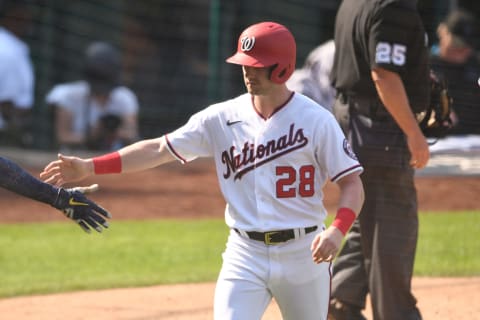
(381,33)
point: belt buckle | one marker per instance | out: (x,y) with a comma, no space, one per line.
(268,238)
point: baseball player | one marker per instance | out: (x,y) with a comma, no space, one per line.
(273,151)
(71,202)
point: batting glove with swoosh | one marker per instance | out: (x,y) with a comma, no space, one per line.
(76,206)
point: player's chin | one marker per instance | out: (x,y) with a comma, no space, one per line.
(253,89)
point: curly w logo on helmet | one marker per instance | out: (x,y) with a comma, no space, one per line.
(267,44)
(247,43)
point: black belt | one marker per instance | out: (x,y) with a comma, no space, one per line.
(275,237)
(372,107)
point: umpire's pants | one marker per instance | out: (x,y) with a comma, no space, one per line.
(379,251)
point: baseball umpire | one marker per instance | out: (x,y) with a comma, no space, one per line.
(381,75)
(273,150)
(72,202)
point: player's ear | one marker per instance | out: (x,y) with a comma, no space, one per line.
(270,71)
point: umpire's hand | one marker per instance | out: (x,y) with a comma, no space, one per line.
(76,206)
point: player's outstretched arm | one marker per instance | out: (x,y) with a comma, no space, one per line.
(139,156)
(327,244)
(71,202)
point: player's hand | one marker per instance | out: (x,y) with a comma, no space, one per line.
(66,169)
(86,213)
(326,245)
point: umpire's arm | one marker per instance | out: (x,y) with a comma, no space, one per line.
(391,91)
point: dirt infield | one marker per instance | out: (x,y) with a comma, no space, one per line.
(438,298)
(191,191)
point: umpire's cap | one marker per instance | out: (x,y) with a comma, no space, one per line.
(267,44)
(102,67)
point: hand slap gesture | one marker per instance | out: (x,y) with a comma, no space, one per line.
(76,206)
(65,169)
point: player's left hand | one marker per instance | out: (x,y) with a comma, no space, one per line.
(326,245)
(76,206)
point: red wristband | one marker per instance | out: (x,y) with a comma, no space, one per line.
(344,219)
(109,163)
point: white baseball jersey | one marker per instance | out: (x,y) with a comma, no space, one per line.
(271,171)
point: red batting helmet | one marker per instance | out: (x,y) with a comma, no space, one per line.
(267,44)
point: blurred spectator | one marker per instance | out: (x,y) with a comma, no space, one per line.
(457,61)
(313,78)
(17,76)
(96,113)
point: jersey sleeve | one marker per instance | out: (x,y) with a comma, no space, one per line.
(192,140)
(390,36)
(335,152)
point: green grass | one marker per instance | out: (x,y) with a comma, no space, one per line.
(45,258)
(448,244)
(56,257)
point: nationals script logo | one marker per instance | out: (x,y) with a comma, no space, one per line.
(251,156)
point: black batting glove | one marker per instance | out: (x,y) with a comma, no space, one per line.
(76,206)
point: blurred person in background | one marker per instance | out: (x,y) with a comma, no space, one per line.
(456,60)
(313,79)
(96,113)
(16,73)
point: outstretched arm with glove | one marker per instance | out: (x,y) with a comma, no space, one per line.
(72,202)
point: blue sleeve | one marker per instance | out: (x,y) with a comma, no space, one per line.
(16,179)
